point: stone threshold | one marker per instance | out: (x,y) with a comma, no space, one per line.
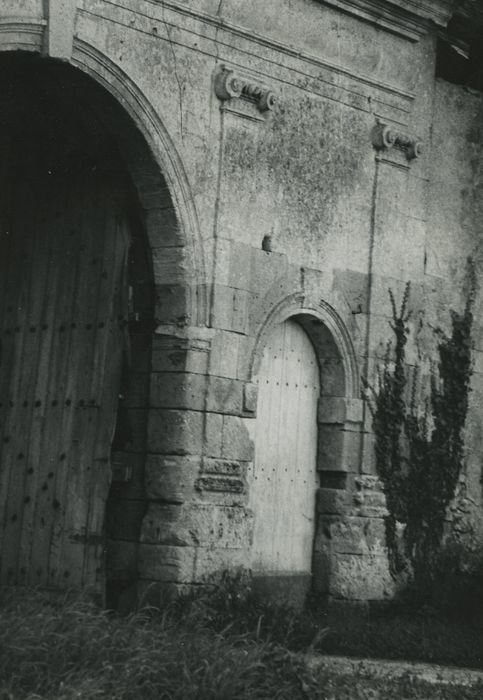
(385,668)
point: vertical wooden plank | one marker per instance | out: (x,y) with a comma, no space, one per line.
(282,492)
(113,299)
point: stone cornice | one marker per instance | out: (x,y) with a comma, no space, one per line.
(408,18)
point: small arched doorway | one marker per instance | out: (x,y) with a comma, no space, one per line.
(75,305)
(285,480)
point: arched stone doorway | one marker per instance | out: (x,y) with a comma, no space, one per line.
(80,198)
(308,429)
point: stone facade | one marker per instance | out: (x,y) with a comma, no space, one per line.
(292,159)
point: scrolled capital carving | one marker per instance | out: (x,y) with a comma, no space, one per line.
(385,137)
(230,84)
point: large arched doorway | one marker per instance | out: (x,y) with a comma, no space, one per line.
(285,480)
(75,304)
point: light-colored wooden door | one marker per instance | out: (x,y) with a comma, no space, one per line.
(284,480)
(63,311)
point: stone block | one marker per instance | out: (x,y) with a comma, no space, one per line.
(250,397)
(162,223)
(174,432)
(224,395)
(224,356)
(171,477)
(178,390)
(171,304)
(339,449)
(241,266)
(358,535)
(165,563)
(172,354)
(213,561)
(230,309)
(333,501)
(221,484)
(339,409)
(170,265)
(196,524)
(224,467)
(360,577)
(213,434)
(236,441)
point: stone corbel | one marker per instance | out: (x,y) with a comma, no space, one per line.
(385,137)
(233,89)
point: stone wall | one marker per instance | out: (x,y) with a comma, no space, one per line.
(287,196)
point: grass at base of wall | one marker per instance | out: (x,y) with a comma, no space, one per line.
(413,634)
(69,648)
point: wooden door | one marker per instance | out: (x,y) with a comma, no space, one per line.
(282,491)
(63,310)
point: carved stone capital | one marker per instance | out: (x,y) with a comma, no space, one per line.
(385,137)
(230,84)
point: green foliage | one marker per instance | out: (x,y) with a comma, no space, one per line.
(420,449)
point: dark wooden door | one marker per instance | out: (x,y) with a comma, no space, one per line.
(64,241)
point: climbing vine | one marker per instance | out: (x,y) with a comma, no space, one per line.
(419,445)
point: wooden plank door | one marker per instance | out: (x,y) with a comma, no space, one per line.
(282,491)
(63,313)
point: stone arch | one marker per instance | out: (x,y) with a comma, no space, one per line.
(169,222)
(328,333)
(150,155)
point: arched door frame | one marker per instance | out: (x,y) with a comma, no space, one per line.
(340,411)
(161,183)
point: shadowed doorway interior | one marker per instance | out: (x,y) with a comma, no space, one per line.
(70,237)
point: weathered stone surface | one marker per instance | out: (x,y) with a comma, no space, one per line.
(178,390)
(224,395)
(222,484)
(197,525)
(339,449)
(257,215)
(179,355)
(358,535)
(224,467)
(360,577)
(250,396)
(214,561)
(171,477)
(166,563)
(333,500)
(338,409)
(174,431)
(236,441)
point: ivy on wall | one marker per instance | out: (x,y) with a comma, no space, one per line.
(419,443)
